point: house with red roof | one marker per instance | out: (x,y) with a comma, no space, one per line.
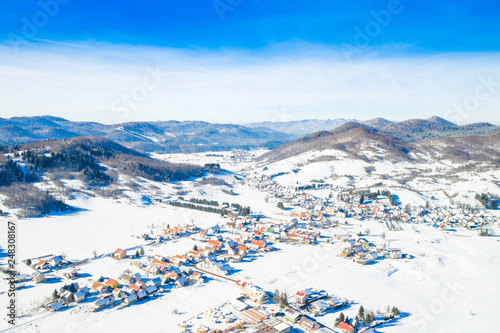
(346,328)
(241,284)
(301,297)
(120,254)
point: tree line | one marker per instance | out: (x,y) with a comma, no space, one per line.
(485,200)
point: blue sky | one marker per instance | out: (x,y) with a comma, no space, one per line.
(459,40)
(425,25)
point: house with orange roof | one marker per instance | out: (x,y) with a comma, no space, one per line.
(159,257)
(197,276)
(242,249)
(42,264)
(215,244)
(259,245)
(181,259)
(134,288)
(117,293)
(195,255)
(111,283)
(99,287)
(191,228)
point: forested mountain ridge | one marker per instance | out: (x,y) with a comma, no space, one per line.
(95,161)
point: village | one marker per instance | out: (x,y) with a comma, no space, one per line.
(243,237)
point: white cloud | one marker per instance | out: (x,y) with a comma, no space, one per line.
(88,81)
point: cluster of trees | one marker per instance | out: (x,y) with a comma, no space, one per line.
(85,155)
(139,253)
(74,159)
(156,170)
(365,318)
(392,313)
(212,167)
(32,201)
(198,207)
(194,204)
(211,181)
(204,202)
(11,172)
(311,187)
(486,201)
(341,318)
(279,174)
(243,211)
(366,194)
(71,288)
(280,298)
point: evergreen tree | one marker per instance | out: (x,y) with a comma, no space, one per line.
(28,262)
(137,253)
(142,251)
(281,206)
(283,300)
(55,295)
(72,288)
(369,318)
(195,247)
(493,204)
(276,296)
(361,312)
(395,311)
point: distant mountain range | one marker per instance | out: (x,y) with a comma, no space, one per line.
(197,136)
(300,128)
(409,130)
(160,136)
